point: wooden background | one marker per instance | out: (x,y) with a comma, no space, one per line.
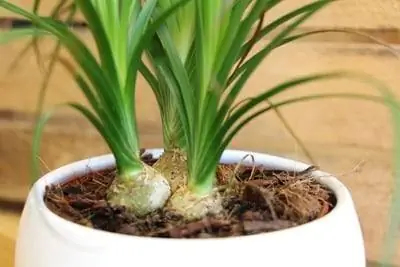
(349,138)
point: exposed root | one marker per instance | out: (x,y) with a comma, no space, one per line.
(192,206)
(237,168)
(225,175)
(229,178)
(172,164)
(140,195)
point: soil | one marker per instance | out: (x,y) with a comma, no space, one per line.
(256,200)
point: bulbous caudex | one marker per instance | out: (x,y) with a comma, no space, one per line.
(192,205)
(184,201)
(172,164)
(141,193)
(164,185)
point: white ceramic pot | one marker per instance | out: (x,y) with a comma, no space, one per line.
(47,240)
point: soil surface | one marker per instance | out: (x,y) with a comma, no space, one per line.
(256,200)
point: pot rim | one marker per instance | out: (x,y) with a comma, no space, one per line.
(77,168)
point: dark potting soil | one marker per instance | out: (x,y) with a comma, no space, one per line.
(256,200)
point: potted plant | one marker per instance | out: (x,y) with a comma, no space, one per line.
(194,201)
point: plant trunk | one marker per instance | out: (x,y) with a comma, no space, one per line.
(140,194)
(193,206)
(173,165)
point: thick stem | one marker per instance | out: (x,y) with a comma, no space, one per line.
(205,188)
(173,165)
(194,206)
(196,201)
(140,193)
(190,201)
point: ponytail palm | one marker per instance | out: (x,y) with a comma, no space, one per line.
(198,65)
(121,30)
(180,25)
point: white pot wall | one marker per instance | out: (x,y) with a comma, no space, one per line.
(47,240)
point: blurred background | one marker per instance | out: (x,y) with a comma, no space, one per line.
(349,138)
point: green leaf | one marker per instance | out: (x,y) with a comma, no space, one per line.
(216,138)
(38,131)
(258,10)
(34,43)
(391,236)
(283,87)
(292,132)
(98,84)
(176,91)
(184,90)
(102,42)
(17,34)
(198,84)
(250,66)
(54,56)
(305,12)
(248,119)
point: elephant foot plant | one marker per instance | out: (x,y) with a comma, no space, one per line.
(195,56)
(109,87)
(197,69)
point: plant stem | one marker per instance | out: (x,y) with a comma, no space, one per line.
(140,193)
(205,188)
(173,165)
(130,171)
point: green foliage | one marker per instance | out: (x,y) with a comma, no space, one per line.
(9,36)
(205,82)
(391,237)
(198,64)
(121,31)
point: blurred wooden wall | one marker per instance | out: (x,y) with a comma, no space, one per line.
(350,138)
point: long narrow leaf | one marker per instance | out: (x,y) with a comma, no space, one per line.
(283,87)
(17,34)
(103,45)
(53,59)
(376,99)
(259,8)
(227,124)
(254,61)
(38,131)
(76,48)
(304,12)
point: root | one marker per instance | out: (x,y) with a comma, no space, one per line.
(140,195)
(229,178)
(173,165)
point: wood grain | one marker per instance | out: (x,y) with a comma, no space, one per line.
(356,14)
(380,19)
(6,251)
(370,14)
(8,232)
(19,91)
